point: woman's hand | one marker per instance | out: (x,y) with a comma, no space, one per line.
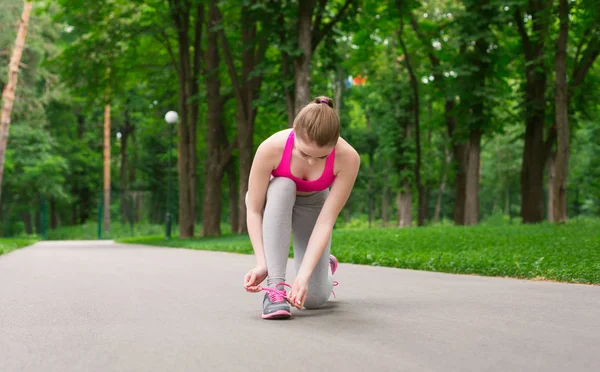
(297,295)
(254,277)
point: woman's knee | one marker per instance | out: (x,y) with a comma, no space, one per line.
(317,301)
(281,187)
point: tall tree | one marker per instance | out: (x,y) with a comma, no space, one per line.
(255,29)
(537,146)
(414,84)
(562,117)
(188,70)
(127,170)
(444,86)
(218,152)
(106,157)
(587,52)
(311,27)
(8,93)
(478,52)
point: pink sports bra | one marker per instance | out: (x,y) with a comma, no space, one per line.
(320,184)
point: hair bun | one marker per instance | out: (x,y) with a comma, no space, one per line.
(323,99)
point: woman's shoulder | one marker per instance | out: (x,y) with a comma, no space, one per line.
(346,155)
(275,143)
(345,150)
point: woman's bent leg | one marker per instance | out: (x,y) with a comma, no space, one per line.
(277,227)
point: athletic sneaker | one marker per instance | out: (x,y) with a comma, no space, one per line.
(333,263)
(275,305)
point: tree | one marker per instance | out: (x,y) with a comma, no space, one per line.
(188,72)
(308,33)
(414,83)
(255,29)
(441,81)
(537,147)
(562,117)
(217,147)
(589,17)
(8,93)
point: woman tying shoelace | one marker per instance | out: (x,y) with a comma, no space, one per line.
(299,182)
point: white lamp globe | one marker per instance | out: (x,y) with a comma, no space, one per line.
(171,117)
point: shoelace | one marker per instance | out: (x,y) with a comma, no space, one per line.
(279,295)
(275,294)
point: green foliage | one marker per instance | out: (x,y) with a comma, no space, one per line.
(89,231)
(548,252)
(55,144)
(585,173)
(8,245)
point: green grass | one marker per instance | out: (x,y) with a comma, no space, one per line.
(10,244)
(89,231)
(567,253)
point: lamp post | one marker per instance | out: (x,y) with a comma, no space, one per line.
(171,118)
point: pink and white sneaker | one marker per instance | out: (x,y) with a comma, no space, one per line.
(275,305)
(333,263)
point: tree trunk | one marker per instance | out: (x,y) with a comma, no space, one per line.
(302,62)
(442,188)
(54,218)
(188,107)
(422,207)
(404,202)
(233,196)
(370,187)
(27,220)
(384,203)
(106,224)
(8,93)
(211,212)
(559,199)
(185,165)
(532,171)
(535,150)
(125,131)
(551,166)
(460,157)
(472,179)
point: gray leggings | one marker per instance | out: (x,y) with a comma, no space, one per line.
(284,213)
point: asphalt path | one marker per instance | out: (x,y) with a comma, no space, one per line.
(101,306)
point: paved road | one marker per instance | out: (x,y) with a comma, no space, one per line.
(99,306)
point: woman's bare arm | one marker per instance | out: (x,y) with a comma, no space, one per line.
(340,191)
(260,175)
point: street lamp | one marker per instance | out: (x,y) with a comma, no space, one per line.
(171,118)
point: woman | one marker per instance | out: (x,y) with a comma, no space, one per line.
(299,182)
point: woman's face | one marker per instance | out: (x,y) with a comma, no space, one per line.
(311,152)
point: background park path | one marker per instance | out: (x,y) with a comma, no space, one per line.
(101,306)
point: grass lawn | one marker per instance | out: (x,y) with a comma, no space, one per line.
(89,231)
(567,253)
(10,244)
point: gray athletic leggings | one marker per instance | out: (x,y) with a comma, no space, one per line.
(284,213)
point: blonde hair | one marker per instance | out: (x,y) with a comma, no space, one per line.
(318,123)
